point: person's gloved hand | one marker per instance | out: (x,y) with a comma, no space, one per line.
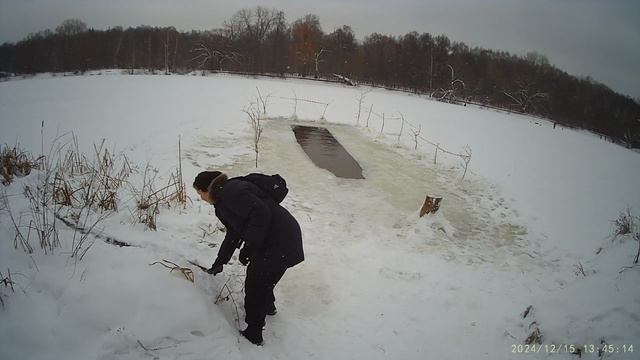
(215,269)
(244,256)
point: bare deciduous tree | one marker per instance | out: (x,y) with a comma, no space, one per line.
(317,61)
(253,23)
(537,59)
(526,98)
(205,54)
(307,37)
(363,94)
(451,94)
(166,44)
(263,101)
(71,27)
(133,55)
(255,30)
(359,108)
(254,115)
(416,134)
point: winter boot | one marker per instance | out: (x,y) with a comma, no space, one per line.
(253,334)
(272,310)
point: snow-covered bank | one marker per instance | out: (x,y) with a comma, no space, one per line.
(378,282)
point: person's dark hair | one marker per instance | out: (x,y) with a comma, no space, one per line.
(203,180)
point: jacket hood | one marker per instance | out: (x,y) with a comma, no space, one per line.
(216,185)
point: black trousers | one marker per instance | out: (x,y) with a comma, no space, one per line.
(258,290)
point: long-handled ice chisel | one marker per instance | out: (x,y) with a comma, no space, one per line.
(199,266)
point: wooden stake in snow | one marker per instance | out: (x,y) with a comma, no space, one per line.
(431,205)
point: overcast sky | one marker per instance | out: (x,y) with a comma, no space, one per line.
(598,38)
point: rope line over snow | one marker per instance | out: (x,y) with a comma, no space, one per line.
(364,107)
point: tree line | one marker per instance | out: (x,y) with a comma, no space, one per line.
(260,40)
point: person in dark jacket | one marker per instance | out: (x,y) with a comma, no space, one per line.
(271,236)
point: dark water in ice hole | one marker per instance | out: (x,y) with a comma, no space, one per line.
(326,152)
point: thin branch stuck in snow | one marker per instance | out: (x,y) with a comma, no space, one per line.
(228,297)
(186,272)
(255,117)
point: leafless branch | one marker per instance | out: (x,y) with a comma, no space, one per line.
(625,268)
(205,54)
(360,100)
(579,270)
(154,349)
(228,297)
(263,101)
(186,272)
(466,159)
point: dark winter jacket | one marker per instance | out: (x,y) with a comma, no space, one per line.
(270,233)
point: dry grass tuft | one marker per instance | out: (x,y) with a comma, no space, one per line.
(15,162)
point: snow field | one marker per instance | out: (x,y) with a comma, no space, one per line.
(378,282)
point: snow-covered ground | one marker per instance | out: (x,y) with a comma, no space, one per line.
(377,282)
